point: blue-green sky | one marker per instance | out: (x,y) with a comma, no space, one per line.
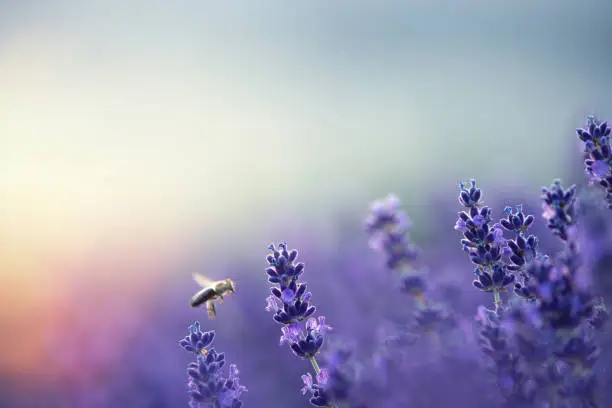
(129,121)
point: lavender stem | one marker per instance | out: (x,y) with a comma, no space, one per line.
(497,299)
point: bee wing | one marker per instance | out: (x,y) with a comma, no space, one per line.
(202,280)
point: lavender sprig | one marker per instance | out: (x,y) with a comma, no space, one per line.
(207,386)
(484,242)
(598,154)
(522,250)
(562,303)
(291,306)
(566,307)
(388,227)
(514,382)
(559,206)
(342,372)
(518,356)
(553,332)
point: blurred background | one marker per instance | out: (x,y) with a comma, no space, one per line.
(142,141)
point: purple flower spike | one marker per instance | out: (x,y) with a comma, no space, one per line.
(598,155)
(207,386)
(290,303)
(559,205)
(388,226)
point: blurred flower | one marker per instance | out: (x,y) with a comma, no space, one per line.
(388,226)
(494,342)
(338,377)
(579,351)
(560,303)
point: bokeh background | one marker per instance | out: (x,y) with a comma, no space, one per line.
(142,141)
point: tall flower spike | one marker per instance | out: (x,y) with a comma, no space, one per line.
(559,205)
(564,317)
(560,304)
(494,342)
(567,312)
(289,300)
(598,154)
(388,227)
(483,242)
(342,372)
(290,303)
(207,386)
(522,250)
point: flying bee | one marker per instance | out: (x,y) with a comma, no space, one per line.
(211,291)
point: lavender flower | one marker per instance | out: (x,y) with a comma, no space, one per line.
(534,344)
(388,227)
(290,304)
(487,246)
(566,307)
(559,207)
(558,327)
(319,397)
(598,154)
(562,314)
(335,382)
(207,386)
(484,242)
(512,379)
(523,248)
(342,371)
(557,284)
(561,304)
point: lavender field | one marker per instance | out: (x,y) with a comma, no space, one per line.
(411,199)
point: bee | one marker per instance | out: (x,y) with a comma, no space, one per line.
(211,291)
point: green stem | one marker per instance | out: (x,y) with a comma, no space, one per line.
(497,299)
(315,365)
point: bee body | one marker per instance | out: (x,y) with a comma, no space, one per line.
(203,296)
(211,292)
